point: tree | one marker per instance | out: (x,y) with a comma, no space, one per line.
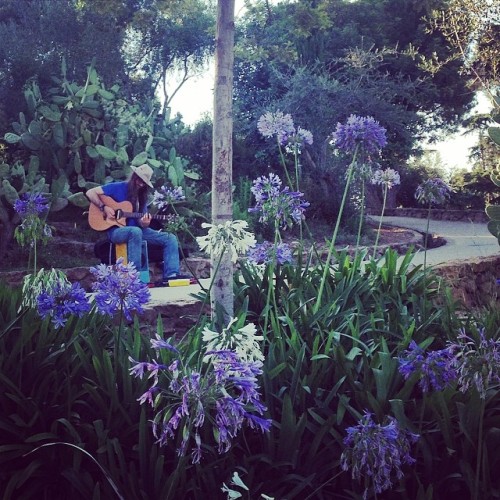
(36,36)
(222,289)
(167,36)
(136,43)
(472,29)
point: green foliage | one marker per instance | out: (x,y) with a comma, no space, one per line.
(494,133)
(127,38)
(323,370)
(72,426)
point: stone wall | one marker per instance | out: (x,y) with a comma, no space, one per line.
(436,214)
(474,282)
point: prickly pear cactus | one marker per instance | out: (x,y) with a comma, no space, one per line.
(86,134)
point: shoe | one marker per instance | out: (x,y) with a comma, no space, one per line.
(178,277)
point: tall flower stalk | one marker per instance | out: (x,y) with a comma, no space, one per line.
(359,135)
(32,208)
(281,126)
(281,208)
(118,289)
(232,236)
(387,178)
(477,363)
(431,192)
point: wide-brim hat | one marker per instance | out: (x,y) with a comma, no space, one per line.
(144,172)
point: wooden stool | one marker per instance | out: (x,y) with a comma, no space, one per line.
(121,251)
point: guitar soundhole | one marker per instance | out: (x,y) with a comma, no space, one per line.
(119,213)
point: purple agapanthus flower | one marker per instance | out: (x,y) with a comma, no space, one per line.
(167,196)
(267,253)
(296,139)
(225,395)
(477,363)
(433,191)
(358,131)
(435,368)
(119,289)
(31,207)
(376,452)
(275,204)
(62,301)
(31,204)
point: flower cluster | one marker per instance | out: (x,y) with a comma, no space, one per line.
(282,126)
(435,368)
(432,192)
(31,204)
(118,288)
(243,341)
(387,178)
(31,207)
(173,223)
(268,253)
(375,451)
(61,300)
(167,196)
(365,132)
(231,235)
(275,204)
(276,124)
(477,363)
(225,395)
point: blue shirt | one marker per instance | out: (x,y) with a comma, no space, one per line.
(118,191)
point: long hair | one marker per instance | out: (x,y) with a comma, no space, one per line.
(138,197)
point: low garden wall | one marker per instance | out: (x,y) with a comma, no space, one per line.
(473,282)
(436,214)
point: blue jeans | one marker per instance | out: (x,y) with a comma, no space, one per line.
(133,237)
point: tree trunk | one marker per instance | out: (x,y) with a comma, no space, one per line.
(222,156)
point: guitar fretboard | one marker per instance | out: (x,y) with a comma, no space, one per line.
(138,215)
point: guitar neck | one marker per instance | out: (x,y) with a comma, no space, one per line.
(138,215)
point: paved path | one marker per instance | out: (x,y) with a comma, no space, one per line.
(179,294)
(464,240)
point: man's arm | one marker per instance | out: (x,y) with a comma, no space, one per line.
(94,196)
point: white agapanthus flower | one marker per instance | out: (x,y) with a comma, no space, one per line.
(386,178)
(244,341)
(232,235)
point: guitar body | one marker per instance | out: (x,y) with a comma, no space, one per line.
(100,222)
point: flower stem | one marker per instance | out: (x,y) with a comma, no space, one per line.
(427,234)
(380,222)
(335,231)
(479,449)
(282,157)
(362,214)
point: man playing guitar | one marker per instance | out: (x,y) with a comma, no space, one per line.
(135,191)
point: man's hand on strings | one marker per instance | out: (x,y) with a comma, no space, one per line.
(145,220)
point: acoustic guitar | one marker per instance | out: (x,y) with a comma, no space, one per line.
(100,221)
